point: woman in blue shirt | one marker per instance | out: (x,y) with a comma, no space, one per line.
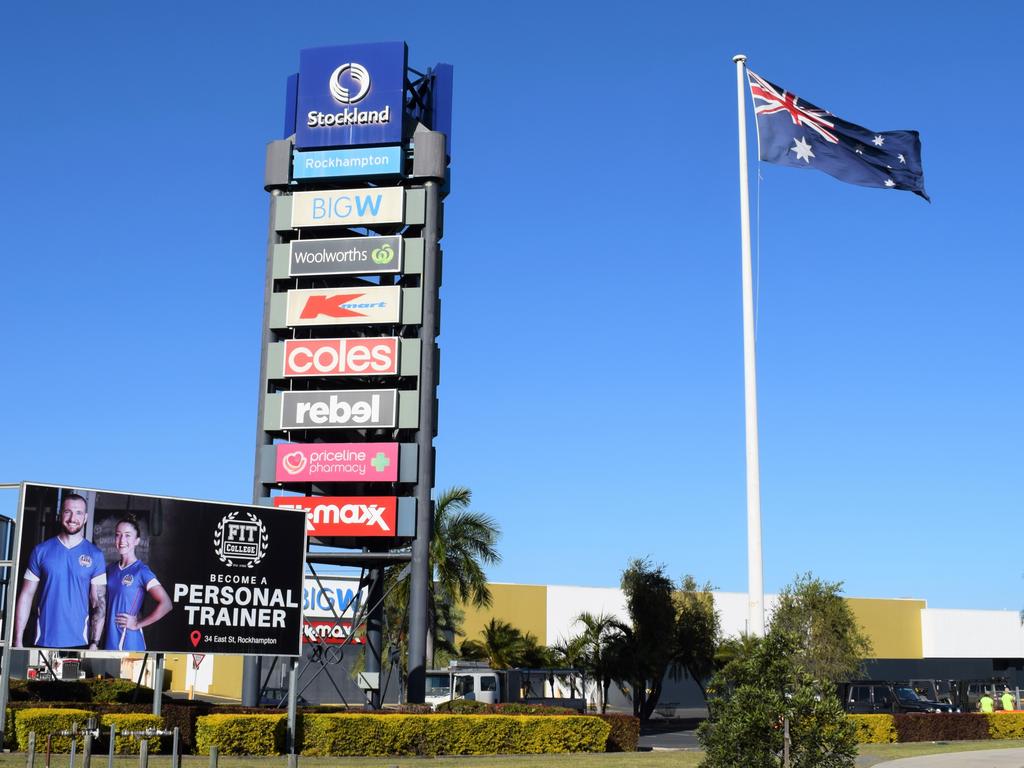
(128,582)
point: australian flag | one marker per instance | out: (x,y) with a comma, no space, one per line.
(794,132)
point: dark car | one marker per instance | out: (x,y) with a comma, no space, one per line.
(867,697)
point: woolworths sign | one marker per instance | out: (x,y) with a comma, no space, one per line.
(345,256)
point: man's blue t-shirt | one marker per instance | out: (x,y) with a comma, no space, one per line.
(64,574)
(126,589)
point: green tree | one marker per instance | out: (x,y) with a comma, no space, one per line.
(832,646)
(603,641)
(505,646)
(648,650)
(758,692)
(697,632)
(462,543)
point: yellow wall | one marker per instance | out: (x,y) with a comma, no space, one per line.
(227,677)
(524,606)
(177,665)
(894,626)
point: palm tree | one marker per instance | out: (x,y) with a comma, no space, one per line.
(572,654)
(603,639)
(461,544)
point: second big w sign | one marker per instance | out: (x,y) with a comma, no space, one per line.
(348,384)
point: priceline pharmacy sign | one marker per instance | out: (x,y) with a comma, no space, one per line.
(351,95)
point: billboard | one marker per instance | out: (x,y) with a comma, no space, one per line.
(341,357)
(338,163)
(330,605)
(344,306)
(328,516)
(339,409)
(350,95)
(345,256)
(336,462)
(348,207)
(104,570)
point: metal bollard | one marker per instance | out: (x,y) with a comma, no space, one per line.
(74,744)
(293,760)
(30,761)
(174,749)
(90,728)
(144,753)
(48,745)
(110,748)
(214,753)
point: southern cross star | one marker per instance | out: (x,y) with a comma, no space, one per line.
(802,149)
(902,159)
(890,183)
(878,141)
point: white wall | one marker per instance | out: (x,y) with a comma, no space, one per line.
(566,603)
(961,634)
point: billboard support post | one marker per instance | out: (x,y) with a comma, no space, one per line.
(8,638)
(158,683)
(293,707)
(428,164)
(374,626)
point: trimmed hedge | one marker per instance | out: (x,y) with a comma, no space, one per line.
(624,734)
(101,690)
(375,735)
(941,727)
(129,721)
(463,707)
(241,734)
(1006,725)
(470,707)
(874,729)
(45,721)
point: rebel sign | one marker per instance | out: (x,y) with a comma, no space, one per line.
(341,357)
(345,515)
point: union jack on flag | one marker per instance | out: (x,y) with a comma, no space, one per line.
(794,132)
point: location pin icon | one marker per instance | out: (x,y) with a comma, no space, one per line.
(195,637)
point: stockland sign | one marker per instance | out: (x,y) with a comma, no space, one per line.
(345,256)
(344,306)
(350,95)
(336,462)
(348,207)
(345,515)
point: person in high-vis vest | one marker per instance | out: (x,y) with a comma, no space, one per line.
(986,704)
(1007,700)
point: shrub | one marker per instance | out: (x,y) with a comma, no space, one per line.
(45,721)
(241,734)
(375,735)
(941,727)
(463,707)
(1006,725)
(874,729)
(94,689)
(518,708)
(10,737)
(129,721)
(108,690)
(624,734)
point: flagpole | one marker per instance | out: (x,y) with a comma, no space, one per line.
(755,571)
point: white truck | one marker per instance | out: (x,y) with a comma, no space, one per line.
(476,681)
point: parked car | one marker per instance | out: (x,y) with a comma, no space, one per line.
(867,697)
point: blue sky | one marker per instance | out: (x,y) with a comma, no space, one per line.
(591,389)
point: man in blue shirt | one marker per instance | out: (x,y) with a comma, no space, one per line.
(69,574)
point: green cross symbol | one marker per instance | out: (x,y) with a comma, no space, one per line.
(380,462)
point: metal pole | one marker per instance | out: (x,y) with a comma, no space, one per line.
(12,592)
(74,744)
(90,724)
(430,155)
(755,568)
(785,742)
(374,630)
(214,753)
(252,666)
(174,748)
(110,747)
(144,753)
(293,705)
(31,761)
(158,683)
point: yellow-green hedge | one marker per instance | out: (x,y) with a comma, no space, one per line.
(874,729)
(129,721)
(44,721)
(382,735)
(241,734)
(1006,725)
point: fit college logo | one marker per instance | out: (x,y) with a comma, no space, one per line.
(241,542)
(358,74)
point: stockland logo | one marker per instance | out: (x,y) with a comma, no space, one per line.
(383,255)
(354,73)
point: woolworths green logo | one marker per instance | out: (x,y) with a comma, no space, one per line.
(383,255)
